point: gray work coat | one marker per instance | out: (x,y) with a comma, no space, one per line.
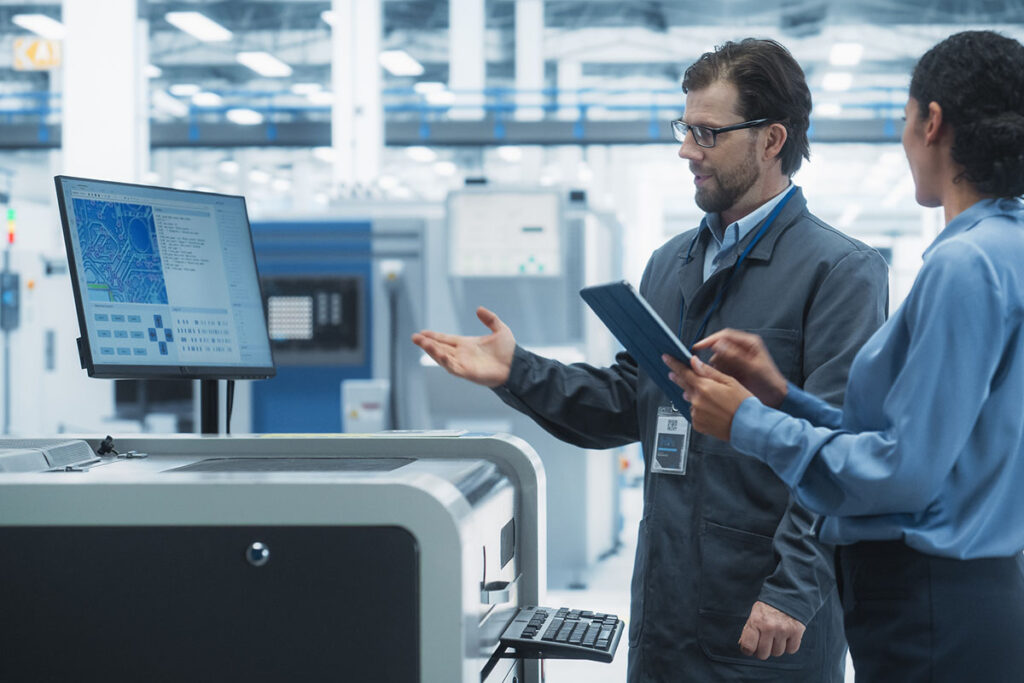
(727,533)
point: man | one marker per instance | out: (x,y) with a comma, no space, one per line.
(729,582)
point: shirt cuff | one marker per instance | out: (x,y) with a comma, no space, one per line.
(518,373)
(798,402)
(750,426)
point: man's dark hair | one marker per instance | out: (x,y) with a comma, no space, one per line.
(771,86)
(977,77)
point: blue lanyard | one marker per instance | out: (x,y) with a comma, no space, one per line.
(735,269)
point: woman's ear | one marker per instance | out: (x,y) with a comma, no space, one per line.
(933,124)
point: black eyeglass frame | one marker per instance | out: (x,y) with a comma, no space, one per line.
(680,128)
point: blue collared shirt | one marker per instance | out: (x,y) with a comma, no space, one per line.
(929,445)
(719,249)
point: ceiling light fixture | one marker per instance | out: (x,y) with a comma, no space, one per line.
(153,71)
(321,98)
(329,17)
(836,81)
(199,26)
(828,109)
(400,63)
(168,105)
(184,89)
(244,117)
(207,99)
(427,87)
(41,25)
(846,54)
(264,63)
(306,88)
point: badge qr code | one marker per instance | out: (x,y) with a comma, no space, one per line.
(672,426)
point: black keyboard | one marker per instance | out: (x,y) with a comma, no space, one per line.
(547,633)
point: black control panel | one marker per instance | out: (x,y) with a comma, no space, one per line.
(563,633)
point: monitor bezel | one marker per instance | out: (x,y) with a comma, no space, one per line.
(119,371)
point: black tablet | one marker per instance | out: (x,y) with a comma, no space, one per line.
(640,330)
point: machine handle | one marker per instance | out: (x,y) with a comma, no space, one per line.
(494,592)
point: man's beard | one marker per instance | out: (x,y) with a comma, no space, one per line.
(729,185)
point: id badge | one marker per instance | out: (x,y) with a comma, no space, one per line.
(671,442)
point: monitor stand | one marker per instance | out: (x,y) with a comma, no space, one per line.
(208,407)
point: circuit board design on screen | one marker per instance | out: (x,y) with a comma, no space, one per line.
(121,257)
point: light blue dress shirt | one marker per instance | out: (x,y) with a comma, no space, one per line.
(929,445)
(719,249)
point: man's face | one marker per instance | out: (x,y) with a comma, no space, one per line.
(725,172)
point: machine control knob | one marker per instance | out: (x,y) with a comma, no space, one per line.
(257,554)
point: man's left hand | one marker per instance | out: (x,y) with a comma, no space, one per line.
(770,632)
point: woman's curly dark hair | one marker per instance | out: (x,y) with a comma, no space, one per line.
(977,77)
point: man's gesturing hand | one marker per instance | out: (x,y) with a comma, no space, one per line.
(770,632)
(485,360)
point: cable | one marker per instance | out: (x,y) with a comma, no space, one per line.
(393,355)
(230,404)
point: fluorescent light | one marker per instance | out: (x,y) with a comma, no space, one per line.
(325,154)
(306,88)
(169,105)
(400,63)
(426,87)
(321,97)
(281,184)
(153,71)
(207,99)
(846,54)
(329,17)
(837,80)
(184,89)
(445,168)
(41,25)
(229,167)
(259,177)
(422,154)
(440,98)
(828,109)
(264,63)
(387,182)
(510,153)
(244,117)
(199,26)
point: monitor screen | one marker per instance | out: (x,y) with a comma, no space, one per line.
(165,282)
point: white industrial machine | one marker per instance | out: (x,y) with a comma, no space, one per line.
(381,558)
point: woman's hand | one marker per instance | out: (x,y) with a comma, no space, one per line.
(714,397)
(744,356)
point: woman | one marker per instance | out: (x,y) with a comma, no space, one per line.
(919,476)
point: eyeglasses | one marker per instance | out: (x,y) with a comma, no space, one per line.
(705,136)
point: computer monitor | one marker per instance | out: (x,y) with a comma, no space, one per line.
(165,282)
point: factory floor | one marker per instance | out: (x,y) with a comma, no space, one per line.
(608,591)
